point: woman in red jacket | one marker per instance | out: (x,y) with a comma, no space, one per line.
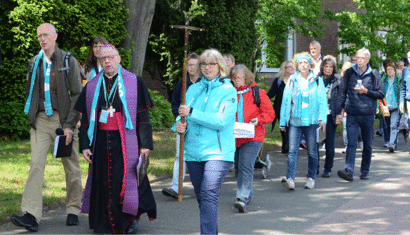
(247,149)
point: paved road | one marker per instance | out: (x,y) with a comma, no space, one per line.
(380,205)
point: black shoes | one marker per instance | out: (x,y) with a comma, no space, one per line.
(28,221)
(132,228)
(345,175)
(391,149)
(169,192)
(378,133)
(326,174)
(72,220)
(364,177)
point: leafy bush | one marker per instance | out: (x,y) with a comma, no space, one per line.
(13,121)
(161,114)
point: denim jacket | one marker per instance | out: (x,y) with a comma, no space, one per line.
(317,101)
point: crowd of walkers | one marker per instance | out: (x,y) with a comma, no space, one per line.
(311,98)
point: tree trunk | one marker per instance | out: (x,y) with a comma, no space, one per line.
(138,27)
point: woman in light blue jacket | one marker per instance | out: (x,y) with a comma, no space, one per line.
(304,109)
(209,141)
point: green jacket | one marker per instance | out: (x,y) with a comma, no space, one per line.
(68,90)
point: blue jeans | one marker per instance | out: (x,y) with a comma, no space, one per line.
(345,133)
(246,155)
(295,133)
(330,143)
(393,127)
(366,123)
(207,178)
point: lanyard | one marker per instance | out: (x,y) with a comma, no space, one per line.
(112,91)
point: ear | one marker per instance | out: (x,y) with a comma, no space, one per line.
(55,37)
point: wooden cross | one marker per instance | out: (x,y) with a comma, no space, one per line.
(187,29)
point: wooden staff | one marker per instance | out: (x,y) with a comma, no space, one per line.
(187,29)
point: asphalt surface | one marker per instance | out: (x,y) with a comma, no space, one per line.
(380,205)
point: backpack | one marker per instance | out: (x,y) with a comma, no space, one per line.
(66,64)
(256,98)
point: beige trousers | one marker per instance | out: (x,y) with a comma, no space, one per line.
(41,139)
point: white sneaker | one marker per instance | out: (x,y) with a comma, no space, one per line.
(361,145)
(310,184)
(288,183)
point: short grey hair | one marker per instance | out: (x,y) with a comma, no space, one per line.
(315,42)
(364,51)
(230,56)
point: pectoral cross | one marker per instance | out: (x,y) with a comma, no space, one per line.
(111,110)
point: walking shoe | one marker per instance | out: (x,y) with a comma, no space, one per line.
(132,227)
(72,220)
(391,149)
(364,176)
(310,184)
(361,145)
(28,221)
(240,205)
(169,192)
(386,145)
(288,183)
(379,133)
(345,175)
(344,151)
(326,174)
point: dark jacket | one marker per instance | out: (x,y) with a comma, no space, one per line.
(332,87)
(276,90)
(176,94)
(360,104)
(68,90)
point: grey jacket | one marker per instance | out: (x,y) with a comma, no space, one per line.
(68,90)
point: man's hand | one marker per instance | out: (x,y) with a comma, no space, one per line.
(144,153)
(402,107)
(183,110)
(87,155)
(181,127)
(69,133)
(361,90)
(254,121)
(282,129)
(323,125)
(339,119)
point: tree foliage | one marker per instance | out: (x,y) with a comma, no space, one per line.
(276,18)
(229,27)
(391,17)
(77,22)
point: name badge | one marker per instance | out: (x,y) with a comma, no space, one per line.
(104,116)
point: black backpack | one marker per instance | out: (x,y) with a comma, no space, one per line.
(256,98)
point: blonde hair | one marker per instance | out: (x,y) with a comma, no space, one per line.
(214,56)
(240,68)
(345,67)
(282,69)
(295,57)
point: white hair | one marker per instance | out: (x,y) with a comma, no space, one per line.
(364,51)
(317,43)
(103,49)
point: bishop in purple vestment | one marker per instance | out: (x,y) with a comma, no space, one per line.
(115,130)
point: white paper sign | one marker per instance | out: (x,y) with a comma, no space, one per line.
(243,130)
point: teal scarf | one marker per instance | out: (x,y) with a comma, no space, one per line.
(240,105)
(121,91)
(47,102)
